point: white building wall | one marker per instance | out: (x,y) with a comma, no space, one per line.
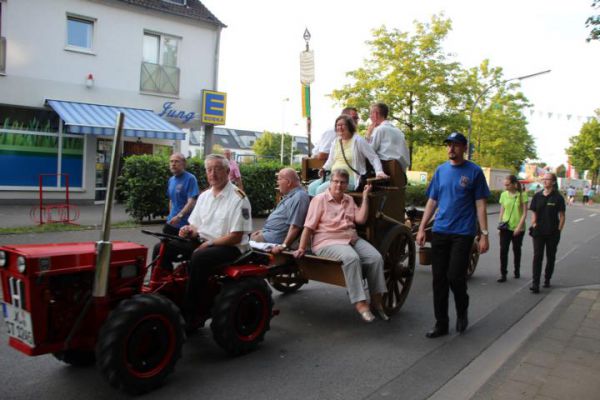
(39,66)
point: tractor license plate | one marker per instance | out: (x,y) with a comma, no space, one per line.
(18,323)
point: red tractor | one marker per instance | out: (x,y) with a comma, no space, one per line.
(86,302)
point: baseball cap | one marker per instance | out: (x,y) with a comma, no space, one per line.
(456,137)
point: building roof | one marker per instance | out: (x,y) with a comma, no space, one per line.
(193,9)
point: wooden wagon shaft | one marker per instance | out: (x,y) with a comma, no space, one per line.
(315,268)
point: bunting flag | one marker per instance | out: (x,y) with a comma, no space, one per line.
(560,115)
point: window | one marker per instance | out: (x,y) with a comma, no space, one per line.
(179,2)
(159,72)
(79,33)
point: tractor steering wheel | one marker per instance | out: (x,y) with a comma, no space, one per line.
(164,236)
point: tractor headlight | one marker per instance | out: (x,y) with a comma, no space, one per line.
(2,259)
(21,264)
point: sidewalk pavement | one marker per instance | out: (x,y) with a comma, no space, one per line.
(561,359)
(552,353)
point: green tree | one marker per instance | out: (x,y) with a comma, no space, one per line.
(428,158)
(268,145)
(561,171)
(593,22)
(584,152)
(411,74)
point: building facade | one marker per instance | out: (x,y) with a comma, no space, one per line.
(68,66)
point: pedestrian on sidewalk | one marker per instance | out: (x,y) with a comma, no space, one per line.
(459,191)
(571,192)
(513,212)
(547,221)
(235,176)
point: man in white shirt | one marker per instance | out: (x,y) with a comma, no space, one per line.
(222,218)
(321,150)
(387,140)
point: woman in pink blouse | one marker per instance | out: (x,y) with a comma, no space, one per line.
(330,223)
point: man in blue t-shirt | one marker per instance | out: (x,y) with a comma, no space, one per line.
(182,190)
(458,191)
(285,223)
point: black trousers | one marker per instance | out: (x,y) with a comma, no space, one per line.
(550,243)
(506,238)
(175,250)
(205,262)
(450,259)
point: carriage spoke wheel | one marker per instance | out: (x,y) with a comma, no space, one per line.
(287,283)
(473,258)
(398,252)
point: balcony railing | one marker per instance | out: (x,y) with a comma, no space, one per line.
(158,78)
(2,54)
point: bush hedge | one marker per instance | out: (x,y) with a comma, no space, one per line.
(143,185)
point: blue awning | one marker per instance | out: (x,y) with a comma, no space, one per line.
(95,119)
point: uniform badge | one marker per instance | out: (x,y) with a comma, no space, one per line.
(245,213)
(464,181)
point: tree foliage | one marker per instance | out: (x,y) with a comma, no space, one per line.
(430,96)
(428,158)
(268,146)
(584,152)
(593,22)
(561,171)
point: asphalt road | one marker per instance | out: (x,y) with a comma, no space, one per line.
(318,348)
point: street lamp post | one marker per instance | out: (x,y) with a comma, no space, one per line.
(283,126)
(487,89)
(307,76)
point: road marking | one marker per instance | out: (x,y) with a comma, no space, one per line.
(579,219)
(593,215)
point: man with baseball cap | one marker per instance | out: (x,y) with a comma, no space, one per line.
(458,191)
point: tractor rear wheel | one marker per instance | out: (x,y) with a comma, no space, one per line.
(140,343)
(77,358)
(398,252)
(287,283)
(241,315)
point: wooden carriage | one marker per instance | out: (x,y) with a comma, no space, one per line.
(385,229)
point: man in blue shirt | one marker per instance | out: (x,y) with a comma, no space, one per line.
(182,191)
(285,223)
(459,192)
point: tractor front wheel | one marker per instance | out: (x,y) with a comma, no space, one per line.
(140,343)
(241,315)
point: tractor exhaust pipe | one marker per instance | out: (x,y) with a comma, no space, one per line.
(104,246)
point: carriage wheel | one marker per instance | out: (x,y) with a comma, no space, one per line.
(287,283)
(473,258)
(398,252)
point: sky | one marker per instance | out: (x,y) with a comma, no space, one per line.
(259,66)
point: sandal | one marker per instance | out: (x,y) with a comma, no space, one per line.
(367,316)
(381,314)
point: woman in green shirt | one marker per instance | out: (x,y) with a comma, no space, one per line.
(513,211)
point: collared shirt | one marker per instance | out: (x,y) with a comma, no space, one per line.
(291,210)
(389,144)
(180,189)
(217,216)
(332,222)
(324,144)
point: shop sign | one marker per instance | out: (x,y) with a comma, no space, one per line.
(170,112)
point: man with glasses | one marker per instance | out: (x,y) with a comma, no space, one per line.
(459,191)
(387,140)
(285,223)
(321,150)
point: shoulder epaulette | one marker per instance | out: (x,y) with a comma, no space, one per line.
(240,192)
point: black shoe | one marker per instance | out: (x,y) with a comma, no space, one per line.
(437,332)
(517,274)
(534,289)
(546,284)
(461,324)
(502,279)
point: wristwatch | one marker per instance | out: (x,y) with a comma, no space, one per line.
(283,246)
(484,232)
(210,243)
(180,215)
